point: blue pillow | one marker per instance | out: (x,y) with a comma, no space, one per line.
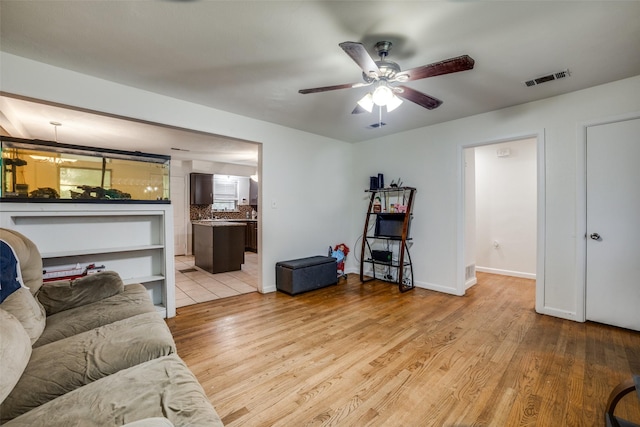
(10,275)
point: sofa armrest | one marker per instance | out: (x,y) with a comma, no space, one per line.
(62,295)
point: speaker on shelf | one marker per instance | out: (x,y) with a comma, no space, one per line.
(373,183)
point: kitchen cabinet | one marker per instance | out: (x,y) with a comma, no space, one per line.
(201,189)
(218,247)
(251,243)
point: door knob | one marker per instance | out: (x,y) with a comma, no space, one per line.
(595,236)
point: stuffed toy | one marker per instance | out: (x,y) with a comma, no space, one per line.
(340,252)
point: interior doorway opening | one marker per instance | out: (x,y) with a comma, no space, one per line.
(502,192)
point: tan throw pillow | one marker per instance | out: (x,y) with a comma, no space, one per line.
(27,310)
(62,295)
(15,351)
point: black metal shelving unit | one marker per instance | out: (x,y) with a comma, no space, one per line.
(384,243)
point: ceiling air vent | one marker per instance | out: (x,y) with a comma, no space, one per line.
(553,76)
(377,125)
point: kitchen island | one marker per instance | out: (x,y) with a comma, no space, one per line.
(218,246)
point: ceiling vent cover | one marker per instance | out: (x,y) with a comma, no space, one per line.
(377,125)
(550,77)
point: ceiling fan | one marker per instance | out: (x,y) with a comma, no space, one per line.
(384,74)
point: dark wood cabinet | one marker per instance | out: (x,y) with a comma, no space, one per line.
(251,243)
(201,189)
(218,249)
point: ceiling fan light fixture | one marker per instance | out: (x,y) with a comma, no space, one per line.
(382,95)
(393,103)
(382,73)
(367,102)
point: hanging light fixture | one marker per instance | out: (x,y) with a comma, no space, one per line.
(55,129)
(393,103)
(367,102)
(381,96)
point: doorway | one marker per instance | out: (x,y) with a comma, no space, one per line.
(501,219)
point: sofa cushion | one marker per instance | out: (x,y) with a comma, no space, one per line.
(162,387)
(28,311)
(62,295)
(29,257)
(10,275)
(65,365)
(15,350)
(132,301)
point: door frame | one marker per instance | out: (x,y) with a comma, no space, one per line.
(581,208)
(539,136)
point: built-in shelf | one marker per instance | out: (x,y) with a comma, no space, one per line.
(120,249)
(136,241)
(145,279)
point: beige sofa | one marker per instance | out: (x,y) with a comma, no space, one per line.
(88,352)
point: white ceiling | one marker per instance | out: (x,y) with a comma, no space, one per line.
(251,58)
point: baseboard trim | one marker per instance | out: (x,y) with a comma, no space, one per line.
(506,272)
(469,283)
(562,314)
(438,288)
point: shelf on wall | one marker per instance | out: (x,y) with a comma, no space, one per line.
(145,279)
(392,229)
(73,253)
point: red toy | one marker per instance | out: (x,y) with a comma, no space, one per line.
(340,252)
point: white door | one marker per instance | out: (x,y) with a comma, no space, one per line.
(179,203)
(613,224)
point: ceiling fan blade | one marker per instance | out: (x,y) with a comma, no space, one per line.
(419,98)
(359,54)
(358,110)
(327,88)
(452,65)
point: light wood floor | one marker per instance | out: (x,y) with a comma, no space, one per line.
(356,355)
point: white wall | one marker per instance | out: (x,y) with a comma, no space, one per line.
(180,201)
(430,159)
(304,174)
(505,207)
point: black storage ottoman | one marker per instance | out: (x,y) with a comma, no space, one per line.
(306,274)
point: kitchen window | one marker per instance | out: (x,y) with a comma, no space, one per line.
(225,193)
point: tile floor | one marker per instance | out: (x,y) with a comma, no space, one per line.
(194,285)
